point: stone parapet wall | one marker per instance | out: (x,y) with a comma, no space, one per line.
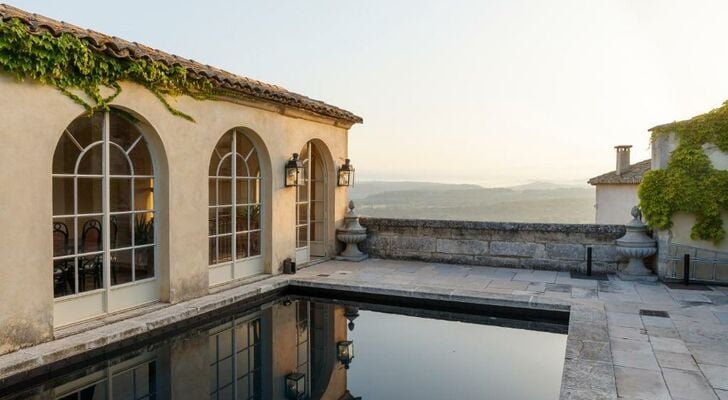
(497,244)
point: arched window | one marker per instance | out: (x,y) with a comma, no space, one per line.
(235,209)
(311,206)
(103,213)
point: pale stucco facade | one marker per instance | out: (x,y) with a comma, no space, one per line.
(614,203)
(616,191)
(35,116)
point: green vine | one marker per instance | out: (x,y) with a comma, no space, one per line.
(69,63)
(690,183)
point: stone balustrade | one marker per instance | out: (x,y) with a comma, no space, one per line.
(559,247)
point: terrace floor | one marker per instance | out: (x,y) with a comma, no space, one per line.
(612,351)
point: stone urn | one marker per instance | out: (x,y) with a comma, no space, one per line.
(636,245)
(351,234)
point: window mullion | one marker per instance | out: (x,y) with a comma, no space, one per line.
(106,228)
(133,230)
(234,360)
(308,197)
(234,210)
(75,233)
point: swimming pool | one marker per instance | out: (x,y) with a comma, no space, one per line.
(304,347)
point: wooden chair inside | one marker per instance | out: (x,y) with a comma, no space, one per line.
(63,282)
(91,241)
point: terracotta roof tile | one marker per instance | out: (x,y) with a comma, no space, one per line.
(121,48)
(633,175)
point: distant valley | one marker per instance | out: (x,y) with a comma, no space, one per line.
(534,202)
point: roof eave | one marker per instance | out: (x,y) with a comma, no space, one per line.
(123,49)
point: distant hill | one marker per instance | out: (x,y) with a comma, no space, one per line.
(363,189)
(548,186)
(539,202)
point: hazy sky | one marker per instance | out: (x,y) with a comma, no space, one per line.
(488,92)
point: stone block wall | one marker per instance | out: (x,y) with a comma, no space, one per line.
(559,247)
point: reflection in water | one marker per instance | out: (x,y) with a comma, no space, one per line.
(235,360)
(427,359)
(295,346)
(132,379)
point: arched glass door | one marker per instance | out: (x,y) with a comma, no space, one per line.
(104,234)
(234,221)
(311,207)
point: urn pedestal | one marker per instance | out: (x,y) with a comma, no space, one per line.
(636,245)
(351,234)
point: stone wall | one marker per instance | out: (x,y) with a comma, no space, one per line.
(497,244)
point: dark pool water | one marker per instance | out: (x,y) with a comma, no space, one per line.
(399,353)
(419,358)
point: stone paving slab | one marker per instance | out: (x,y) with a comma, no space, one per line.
(612,350)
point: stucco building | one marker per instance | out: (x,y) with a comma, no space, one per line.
(708,259)
(616,191)
(132,204)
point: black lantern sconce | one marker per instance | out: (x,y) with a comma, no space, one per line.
(345,352)
(294,171)
(346,174)
(295,386)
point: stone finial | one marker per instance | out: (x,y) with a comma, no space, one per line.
(636,245)
(352,233)
(636,213)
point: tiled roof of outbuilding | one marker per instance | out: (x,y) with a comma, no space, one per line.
(121,48)
(633,175)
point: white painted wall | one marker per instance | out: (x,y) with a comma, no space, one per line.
(614,203)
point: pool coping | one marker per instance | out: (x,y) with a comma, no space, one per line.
(587,373)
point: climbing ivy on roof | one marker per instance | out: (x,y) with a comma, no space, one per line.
(69,63)
(690,183)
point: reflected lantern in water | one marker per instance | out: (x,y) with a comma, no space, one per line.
(295,385)
(351,313)
(345,352)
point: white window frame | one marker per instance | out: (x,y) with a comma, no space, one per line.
(312,248)
(236,268)
(109,298)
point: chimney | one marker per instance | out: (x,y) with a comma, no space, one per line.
(622,158)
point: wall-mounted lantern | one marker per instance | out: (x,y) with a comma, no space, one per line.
(294,171)
(346,174)
(345,352)
(295,386)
